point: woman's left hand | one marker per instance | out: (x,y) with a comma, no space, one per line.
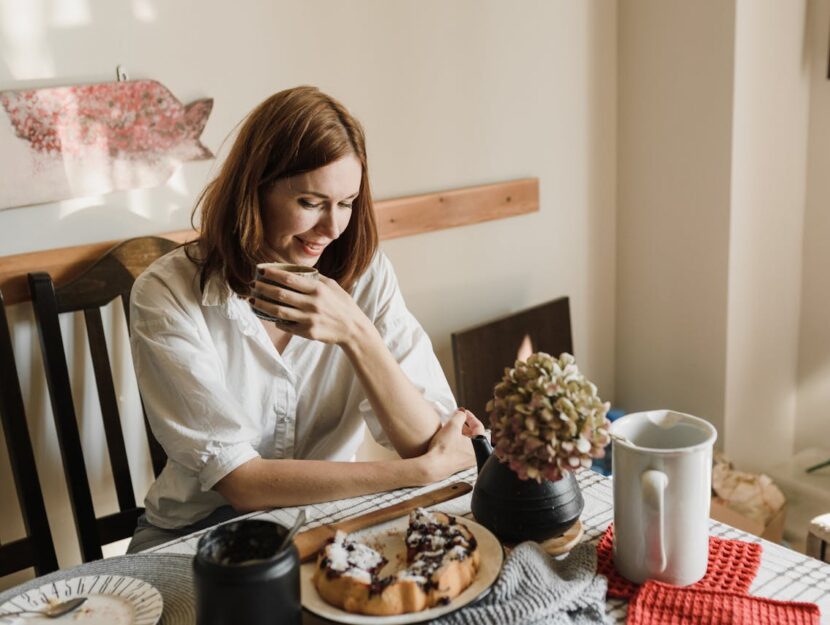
(472,426)
(314,309)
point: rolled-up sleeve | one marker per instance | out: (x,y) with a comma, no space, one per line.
(411,347)
(191,412)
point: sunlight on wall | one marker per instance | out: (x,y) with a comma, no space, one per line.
(70,13)
(178,183)
(92,169)
(144,11)
(27,53)
(140,203)
(145,202)
(76,205)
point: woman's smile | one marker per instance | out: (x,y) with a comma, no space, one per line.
(312,248)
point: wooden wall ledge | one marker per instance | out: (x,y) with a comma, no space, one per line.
(396,218)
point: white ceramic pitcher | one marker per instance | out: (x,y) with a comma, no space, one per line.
(662,468)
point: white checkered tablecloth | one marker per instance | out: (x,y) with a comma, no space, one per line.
(785,575)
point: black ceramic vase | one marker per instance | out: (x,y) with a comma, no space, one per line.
(516,510)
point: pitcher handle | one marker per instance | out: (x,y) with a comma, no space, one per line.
(653,484)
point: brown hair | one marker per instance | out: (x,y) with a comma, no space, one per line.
(292,132)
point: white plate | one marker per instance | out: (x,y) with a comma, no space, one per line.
(388,538)
(111,600)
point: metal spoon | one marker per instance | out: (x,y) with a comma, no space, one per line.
(298,523)
(53,610)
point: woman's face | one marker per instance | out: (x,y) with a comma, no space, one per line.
(303,214)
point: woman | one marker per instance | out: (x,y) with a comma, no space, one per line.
(254,414)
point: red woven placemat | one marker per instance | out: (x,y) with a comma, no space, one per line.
(733,565)
(673,605)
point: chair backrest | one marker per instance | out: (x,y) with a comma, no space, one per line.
(480,354)
(111,277)
(36,549)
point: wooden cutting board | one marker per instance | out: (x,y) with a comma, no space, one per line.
(311,541)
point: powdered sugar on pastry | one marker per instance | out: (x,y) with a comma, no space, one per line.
(353,559)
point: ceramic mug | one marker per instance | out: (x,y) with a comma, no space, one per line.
(303,270)
(662,471)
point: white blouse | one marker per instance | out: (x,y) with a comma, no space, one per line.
(218,394)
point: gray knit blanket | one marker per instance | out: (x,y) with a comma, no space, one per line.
(535,588)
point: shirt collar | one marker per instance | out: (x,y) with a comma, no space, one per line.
(218,293)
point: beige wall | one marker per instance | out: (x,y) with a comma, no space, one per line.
(675,124)
(813,422)
(769,158)
(714,117)
(451,94)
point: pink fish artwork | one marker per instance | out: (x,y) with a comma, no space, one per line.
(60,143)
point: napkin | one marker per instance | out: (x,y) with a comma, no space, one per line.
(656,602)
(535,588)
(733,565)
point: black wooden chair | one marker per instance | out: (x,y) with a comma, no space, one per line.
(111,277)
(480,354)
(36,549)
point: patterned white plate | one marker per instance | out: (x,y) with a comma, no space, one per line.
(111,600)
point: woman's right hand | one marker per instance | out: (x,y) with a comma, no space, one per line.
(318,310)
(450,449)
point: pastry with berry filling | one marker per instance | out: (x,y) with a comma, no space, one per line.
(442,561)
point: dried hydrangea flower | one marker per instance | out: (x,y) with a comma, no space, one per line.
(547,418)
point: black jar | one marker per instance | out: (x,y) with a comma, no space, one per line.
(241,579)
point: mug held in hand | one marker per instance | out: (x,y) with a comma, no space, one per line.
(309,272)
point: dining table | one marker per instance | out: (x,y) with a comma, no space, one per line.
(784,574)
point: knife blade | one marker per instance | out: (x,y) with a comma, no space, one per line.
(311,541)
